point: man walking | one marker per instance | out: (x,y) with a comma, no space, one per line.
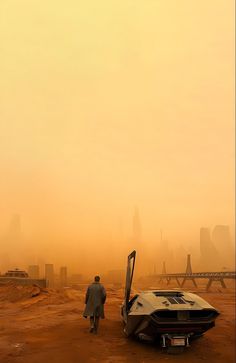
(95,300)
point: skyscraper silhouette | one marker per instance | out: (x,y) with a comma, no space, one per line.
(63,276)
(137,229)
(209,254)
(49,274)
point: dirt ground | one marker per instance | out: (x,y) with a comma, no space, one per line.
(47,326)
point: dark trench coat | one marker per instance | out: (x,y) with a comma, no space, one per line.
(95,300)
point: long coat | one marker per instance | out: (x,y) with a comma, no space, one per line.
(95,300)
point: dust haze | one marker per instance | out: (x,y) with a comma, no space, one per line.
(117,132)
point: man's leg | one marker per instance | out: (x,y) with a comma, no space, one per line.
(91,324)
(96,324)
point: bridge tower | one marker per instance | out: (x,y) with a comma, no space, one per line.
(164,268)
(189,267)
(189,272)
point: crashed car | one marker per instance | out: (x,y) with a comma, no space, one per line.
(171,317)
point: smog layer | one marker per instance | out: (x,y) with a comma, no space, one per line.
(116,134)
(116,131)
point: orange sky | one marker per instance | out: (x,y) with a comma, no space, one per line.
(105,105)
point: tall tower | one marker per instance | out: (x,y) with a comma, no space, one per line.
(143,263)
(63,276)
(137,229)
(209,254)
(49,274)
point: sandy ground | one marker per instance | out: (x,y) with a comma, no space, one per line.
(49,327)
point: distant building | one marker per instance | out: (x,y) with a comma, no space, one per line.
(63,276)
(222,241)
(143,267)
(21,277)
(208,252)
(137,229)
(33,271)
(16,273)
(49,274)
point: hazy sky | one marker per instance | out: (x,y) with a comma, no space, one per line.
(105,105)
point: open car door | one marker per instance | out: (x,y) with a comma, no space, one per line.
(129,278)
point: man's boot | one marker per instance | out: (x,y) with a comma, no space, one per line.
(96,323)
(91,324)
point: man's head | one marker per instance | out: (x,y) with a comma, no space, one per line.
(97,278)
